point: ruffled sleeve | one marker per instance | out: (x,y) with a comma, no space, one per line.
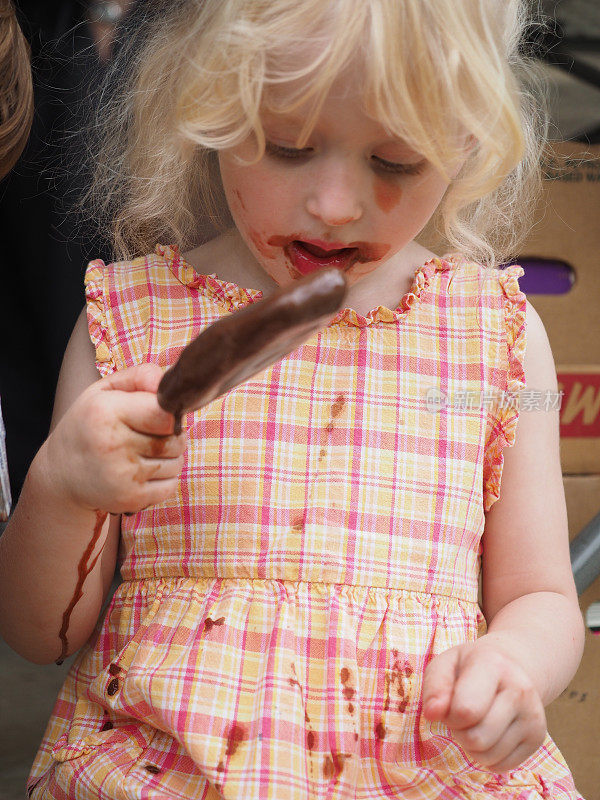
(95,294)
(504,414)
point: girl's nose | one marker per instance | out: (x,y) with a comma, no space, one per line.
(335,197)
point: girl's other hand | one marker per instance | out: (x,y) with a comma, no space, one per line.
(114,449)
(488,702)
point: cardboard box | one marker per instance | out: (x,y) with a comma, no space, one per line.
(567,230)
(574,717)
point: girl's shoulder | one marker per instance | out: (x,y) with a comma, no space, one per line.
(490,297)
(130,302)
(162,266)
(472,277)
(147,307)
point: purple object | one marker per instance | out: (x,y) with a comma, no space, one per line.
(545,276)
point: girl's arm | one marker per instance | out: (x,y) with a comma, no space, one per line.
(529,596)
(491,693)
(109,449)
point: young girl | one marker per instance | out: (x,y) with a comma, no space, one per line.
(299,612)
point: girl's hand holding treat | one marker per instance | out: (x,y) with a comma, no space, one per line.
(112,450)
(115,449)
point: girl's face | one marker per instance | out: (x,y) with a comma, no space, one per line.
(354,197)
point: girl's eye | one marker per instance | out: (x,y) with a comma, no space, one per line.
(398,169)
(279,151)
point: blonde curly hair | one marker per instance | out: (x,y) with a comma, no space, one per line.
(204,71)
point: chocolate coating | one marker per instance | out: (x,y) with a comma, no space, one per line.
(242,344)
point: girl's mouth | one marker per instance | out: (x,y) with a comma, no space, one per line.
(307,257)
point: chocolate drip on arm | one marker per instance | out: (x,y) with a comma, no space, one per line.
(83,570)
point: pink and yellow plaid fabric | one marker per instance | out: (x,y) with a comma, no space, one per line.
(276,616)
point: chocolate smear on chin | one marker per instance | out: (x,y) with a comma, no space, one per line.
(242,344)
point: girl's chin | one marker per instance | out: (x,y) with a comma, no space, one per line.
(354,273)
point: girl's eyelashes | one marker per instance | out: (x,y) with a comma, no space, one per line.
(281,151)
(396,168)
(380,164)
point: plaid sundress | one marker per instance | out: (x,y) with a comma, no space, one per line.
(275,617)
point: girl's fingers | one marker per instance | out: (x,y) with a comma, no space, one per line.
(510,729)
(140,412)
(483,737)
(438,684)
(158,446)
(152,493)
(131,393)
(503,748)
(141,378)
(157,469)
(488,703)
(515,758)
(475,691)
(516,743)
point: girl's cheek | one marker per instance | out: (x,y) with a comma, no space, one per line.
(239,200)
(261,245)
(387,193)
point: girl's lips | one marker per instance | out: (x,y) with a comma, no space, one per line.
(307,258)
(309,255)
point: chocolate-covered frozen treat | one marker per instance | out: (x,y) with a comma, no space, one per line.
(240,345)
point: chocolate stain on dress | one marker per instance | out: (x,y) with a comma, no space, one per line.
(210,623)
(396,680)
(333,765)
(311,738)
(235,737)
(336,410)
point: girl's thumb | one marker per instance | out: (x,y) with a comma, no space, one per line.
(141,378)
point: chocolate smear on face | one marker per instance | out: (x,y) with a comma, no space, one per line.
(83,570)
(240,345)
(387,194)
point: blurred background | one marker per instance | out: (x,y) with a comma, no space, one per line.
(42,262)
(569,53)
(45,248)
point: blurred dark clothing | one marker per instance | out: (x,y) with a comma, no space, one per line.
(44,250)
